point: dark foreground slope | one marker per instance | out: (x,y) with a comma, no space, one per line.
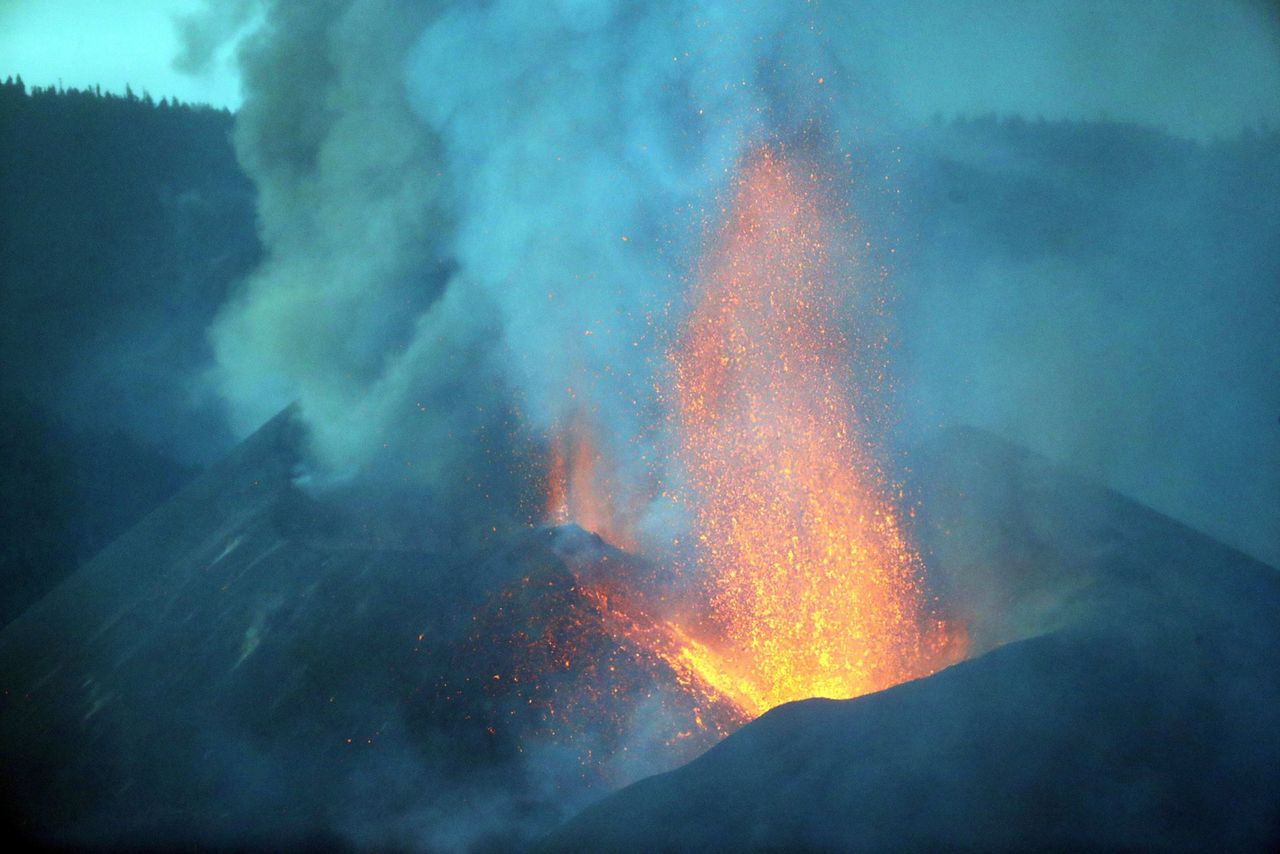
(232,671)
(1130,698)
(250,668)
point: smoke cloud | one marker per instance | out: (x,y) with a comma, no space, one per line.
(479,218)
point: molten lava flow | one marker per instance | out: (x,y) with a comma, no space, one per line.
(814,590)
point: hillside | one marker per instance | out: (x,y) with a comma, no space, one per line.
(124,224)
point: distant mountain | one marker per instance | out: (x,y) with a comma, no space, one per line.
(124,224)
(1125,695)
(1105,294)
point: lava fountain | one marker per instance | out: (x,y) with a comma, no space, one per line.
(805,582)
(582,488)
(813,586)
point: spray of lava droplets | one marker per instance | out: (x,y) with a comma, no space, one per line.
(814,589)
(581,487)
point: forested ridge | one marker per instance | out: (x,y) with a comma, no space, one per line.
(124,222)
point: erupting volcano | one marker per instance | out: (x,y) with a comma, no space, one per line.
(804,579)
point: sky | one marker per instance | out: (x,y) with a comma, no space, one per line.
(1201,70)
(1197,68)
(110,43)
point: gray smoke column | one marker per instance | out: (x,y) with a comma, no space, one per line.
(482,210)
(355,312)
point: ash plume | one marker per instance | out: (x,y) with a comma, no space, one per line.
(479,219)
(465,218)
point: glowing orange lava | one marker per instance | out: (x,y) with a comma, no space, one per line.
(810,587)
(581,487)
(813,587)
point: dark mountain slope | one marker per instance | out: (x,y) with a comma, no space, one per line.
(248,667)
(208,674)
(124,225)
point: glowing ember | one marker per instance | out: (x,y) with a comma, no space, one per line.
(568,654)
(814,589)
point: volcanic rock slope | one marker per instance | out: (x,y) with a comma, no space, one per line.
(248,668)
(233,671)
(1124,693)
(242,670)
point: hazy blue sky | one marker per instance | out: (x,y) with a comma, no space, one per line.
(1197,67)
(107,42)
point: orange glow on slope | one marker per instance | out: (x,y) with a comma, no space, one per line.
(581,487)
(813,587)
